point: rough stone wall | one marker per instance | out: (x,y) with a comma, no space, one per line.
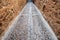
(9,9)
(51,12)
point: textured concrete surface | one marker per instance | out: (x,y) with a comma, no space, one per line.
(29,25)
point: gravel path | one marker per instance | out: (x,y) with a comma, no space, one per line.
(30,25)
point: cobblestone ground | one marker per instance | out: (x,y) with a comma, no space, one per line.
(30,25)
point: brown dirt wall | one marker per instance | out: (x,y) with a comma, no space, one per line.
(9,9)
(51,12)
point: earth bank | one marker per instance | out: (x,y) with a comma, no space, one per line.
(51,12)
(9,9)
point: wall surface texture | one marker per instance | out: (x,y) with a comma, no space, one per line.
(9,9)
(51,12)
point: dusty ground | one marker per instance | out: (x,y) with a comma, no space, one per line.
(9,9)
(51,11)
